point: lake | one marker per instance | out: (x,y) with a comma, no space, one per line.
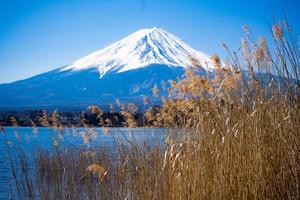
(27,139)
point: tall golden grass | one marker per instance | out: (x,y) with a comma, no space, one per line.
(235,135)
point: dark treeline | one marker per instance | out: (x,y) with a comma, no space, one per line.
(66,118)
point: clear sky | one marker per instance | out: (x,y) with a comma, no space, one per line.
(39,35)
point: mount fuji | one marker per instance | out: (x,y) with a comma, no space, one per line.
(124,70)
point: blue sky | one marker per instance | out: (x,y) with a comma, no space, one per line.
(39,35)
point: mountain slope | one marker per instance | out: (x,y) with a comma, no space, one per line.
(83,88)
(125,70)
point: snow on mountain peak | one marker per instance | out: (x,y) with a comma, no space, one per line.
(140,49)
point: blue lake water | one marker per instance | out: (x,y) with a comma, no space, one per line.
(26,139)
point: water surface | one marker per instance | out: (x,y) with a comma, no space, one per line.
(28,140)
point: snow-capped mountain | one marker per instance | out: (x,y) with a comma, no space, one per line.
(126,70)
(140,49)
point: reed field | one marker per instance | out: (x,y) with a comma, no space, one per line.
(234,133)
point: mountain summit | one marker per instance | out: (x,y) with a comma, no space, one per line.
(140,49)
(126,70)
